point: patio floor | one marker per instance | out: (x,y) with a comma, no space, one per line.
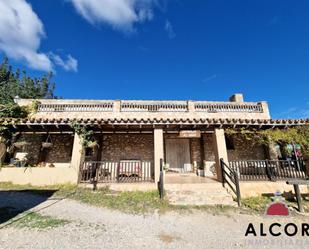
(187,178)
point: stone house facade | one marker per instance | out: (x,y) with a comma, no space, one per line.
(133,137)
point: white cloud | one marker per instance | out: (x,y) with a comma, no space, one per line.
(169,29)
(295,112)
(209,78)
(121,14)
(21,32)
(70,64)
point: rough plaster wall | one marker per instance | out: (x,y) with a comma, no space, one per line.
(117,147)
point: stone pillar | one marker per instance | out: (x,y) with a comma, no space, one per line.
(265,109)
(191,107)
(117,106)
(78,155)
(158,152)
(220,150)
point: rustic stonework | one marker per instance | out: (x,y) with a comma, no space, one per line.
(195,147)
(33,147)
(209,153)
(60,152)
(117,147)
(246,150)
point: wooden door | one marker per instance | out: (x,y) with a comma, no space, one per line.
(178,154)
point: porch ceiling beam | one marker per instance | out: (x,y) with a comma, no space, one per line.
(45,132)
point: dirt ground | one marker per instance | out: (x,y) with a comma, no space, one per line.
(92,227)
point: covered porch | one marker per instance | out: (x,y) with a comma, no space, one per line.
(129,151)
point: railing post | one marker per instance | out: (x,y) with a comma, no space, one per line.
(222,171)
(268,172)
(117,171)
(237,189)
(161,181)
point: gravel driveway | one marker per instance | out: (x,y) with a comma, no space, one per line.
(92,227)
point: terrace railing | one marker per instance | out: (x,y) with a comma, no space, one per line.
(123,171)
(153,106)
(103,107)
(228,107)
(157,106)
(253,170)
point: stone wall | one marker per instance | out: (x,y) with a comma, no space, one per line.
(246,150)
(195,147)
(60,152)
(117,147)
(32,147)
(209,154)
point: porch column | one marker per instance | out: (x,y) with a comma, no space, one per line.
(77,155)
(220,150)
(158,152)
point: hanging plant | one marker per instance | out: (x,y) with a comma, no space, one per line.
(6,132)
(85,134)
(48,143)
(20,144)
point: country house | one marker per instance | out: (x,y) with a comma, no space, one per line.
(123,142)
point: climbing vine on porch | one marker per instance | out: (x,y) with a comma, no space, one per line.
(86,135)
(6,132)
(293,135)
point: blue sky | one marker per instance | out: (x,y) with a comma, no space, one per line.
(165,49)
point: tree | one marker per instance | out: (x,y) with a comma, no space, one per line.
(17,83)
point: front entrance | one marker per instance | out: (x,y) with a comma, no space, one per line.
(178,155)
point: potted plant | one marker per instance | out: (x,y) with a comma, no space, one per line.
(200,170)
(92,144)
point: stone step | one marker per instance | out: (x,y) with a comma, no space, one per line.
(198,194)
(202,201)
(195,187)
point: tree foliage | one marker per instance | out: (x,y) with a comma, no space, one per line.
(293,135)
(85,133)
(17,83)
